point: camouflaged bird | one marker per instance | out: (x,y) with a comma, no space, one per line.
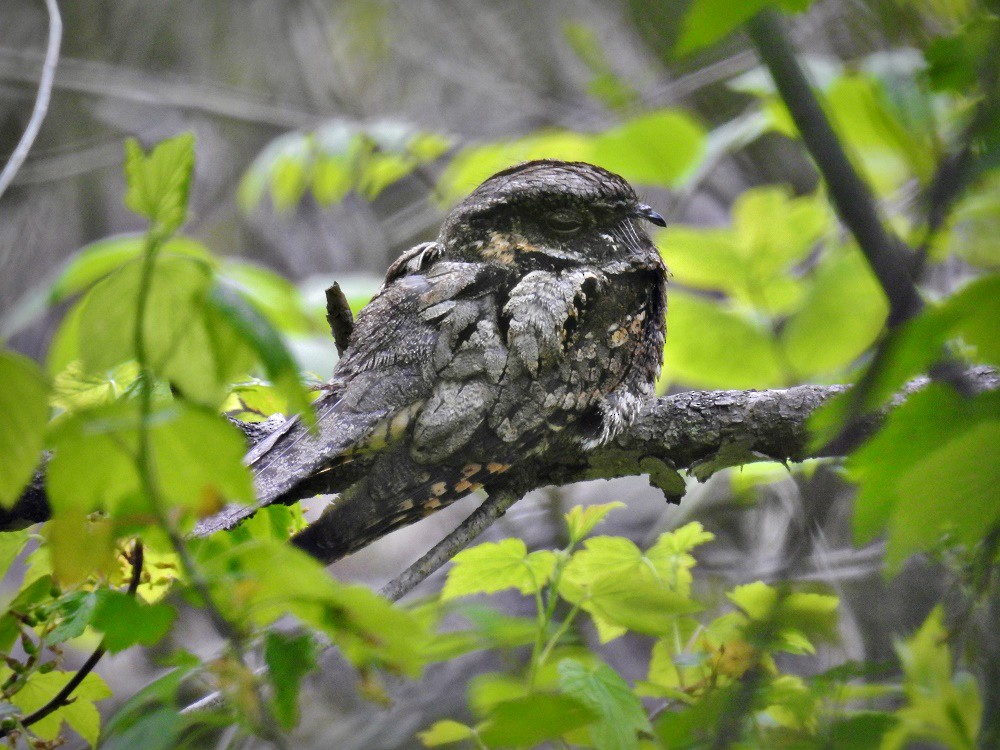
(537,316)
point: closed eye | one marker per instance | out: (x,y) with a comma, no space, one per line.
(564,222)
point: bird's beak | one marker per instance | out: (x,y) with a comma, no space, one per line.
(645,212)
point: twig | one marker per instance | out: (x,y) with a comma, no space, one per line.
(676,431)
(61,698)
(850,194)
(41,101)
(480,520)
(339,316)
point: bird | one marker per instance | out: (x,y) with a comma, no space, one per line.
(536,317)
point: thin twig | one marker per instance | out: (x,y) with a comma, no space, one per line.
(480,520)
(61,698)
(41,100)
(852,197)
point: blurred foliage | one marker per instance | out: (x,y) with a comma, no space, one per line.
(337,159)
(161,339)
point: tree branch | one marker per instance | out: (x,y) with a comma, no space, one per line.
(699,431)
(480,520)
(41,101)
(850,194)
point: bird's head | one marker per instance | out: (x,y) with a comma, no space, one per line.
(550,214)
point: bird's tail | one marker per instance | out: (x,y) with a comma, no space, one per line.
(396,492)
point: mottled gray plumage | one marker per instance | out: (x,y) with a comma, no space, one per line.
(537,316)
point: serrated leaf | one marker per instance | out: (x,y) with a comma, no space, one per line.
(25,409)
(494,566)
(671,557)
(939,706)
(289,658)
(582,519)
(602,690)
(159,182)
(757,600)
(75,612)
(81,714)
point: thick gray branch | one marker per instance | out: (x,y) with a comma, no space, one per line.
(699,431)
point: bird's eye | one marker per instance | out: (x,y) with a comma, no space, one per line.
(564,222)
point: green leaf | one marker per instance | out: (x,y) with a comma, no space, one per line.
(11,544)
(658,148)
(445,732)
(757,600)
(125,621)
(931,470)
(638,604)
(289,658)
(494,566)
(81,714)
(149,719)
(605,84)
(841,317)
(159,182)
(671,557)
(154,729)
(582,519)
(527,721)
(939,707)
(276,298)
(609,696)
(25,409)
(708,21)
(714,347)
(773,230)
(861,731)
(254,330)
(74,389)
(184,340)
(197,460)
(75,612)
(94,261)
(473,165)
(258,581)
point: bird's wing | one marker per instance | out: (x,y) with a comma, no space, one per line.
(386,376)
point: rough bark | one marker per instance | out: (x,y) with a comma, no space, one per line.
(697,431)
